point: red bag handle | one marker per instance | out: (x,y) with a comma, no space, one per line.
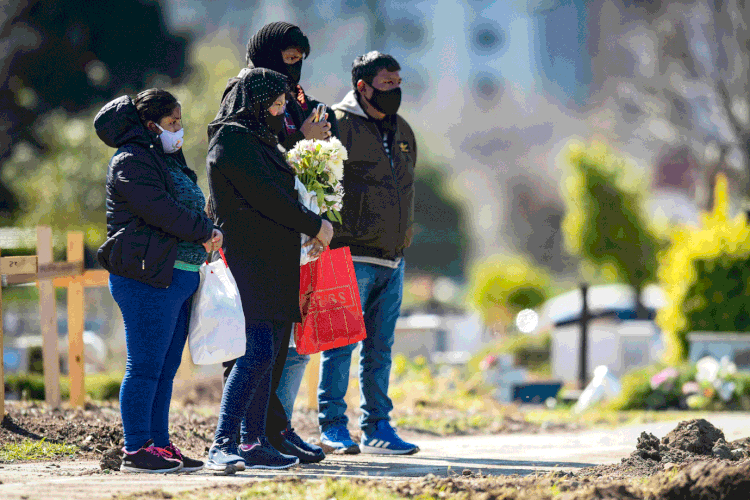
(221,252)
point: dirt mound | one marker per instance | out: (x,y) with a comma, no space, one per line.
(706,480)
(691,441)
(696,436)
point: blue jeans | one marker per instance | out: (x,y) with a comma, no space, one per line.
(380,292)
(291,379)
(156,323)
(247,390)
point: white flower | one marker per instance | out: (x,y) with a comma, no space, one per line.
(337,167)
(726,367)
(708,369)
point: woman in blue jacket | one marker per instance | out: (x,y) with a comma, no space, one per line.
(157,237)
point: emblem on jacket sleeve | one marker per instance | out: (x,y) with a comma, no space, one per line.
(404,147)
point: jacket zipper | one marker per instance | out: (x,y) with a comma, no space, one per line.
(393,174)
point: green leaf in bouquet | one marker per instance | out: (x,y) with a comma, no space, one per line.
(334,215)
(321,199)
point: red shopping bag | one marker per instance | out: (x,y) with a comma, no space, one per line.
(329,303)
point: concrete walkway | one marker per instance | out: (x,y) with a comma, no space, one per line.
(499,454)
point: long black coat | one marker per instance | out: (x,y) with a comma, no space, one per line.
(256,207)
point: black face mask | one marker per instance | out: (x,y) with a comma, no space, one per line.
(386,101)
(294,72)
(275,123)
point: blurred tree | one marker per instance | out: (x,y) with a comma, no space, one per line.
(679,72)
(64,185)
(442,233)
(66,55)
(501,287)
(605,223)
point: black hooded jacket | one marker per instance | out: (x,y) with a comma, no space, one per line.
(144,221)
(254,201)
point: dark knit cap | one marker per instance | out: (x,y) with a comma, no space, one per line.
(265,47)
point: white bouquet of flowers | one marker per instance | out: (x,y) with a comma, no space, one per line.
(319,166)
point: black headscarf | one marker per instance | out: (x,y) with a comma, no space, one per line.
(265,47)
(244,107)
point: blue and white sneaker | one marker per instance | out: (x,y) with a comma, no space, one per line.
(385,441)
(336,439)
(223,458)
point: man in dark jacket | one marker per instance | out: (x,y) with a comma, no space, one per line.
(377,218)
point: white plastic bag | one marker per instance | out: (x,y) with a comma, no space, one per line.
(217,322)
(310,201)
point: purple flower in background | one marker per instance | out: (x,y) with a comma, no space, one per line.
(667,374)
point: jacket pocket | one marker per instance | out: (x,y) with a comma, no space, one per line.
(137,250)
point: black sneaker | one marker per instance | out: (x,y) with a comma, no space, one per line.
(150,459)
(290,443)
(261,455)
(188,464)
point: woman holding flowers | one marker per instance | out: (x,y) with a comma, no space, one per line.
(282,47)
(255,205)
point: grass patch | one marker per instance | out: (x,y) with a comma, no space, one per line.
(287,489)
(602,417)
(35,450)
(447,425)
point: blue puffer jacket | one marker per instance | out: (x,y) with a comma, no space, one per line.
(144,221)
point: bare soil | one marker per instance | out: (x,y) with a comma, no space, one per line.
(692,461)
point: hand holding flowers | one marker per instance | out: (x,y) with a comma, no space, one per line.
(319,166)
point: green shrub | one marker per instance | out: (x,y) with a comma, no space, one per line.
(706,277)
(529,351)
(99,386)
(501,287)
(29,386)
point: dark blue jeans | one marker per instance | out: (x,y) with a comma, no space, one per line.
(291,379)
(380,292)
(247,390)
(156,323)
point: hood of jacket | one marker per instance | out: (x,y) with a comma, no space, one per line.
(350,104)
(117,123)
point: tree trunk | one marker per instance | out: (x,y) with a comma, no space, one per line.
(640,308)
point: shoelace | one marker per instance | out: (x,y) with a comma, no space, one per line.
(160,452)
(340,434)
(291,436)
(174,450)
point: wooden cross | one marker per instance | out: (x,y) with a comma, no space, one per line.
(42,269)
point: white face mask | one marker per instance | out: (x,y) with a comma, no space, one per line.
(171,141)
